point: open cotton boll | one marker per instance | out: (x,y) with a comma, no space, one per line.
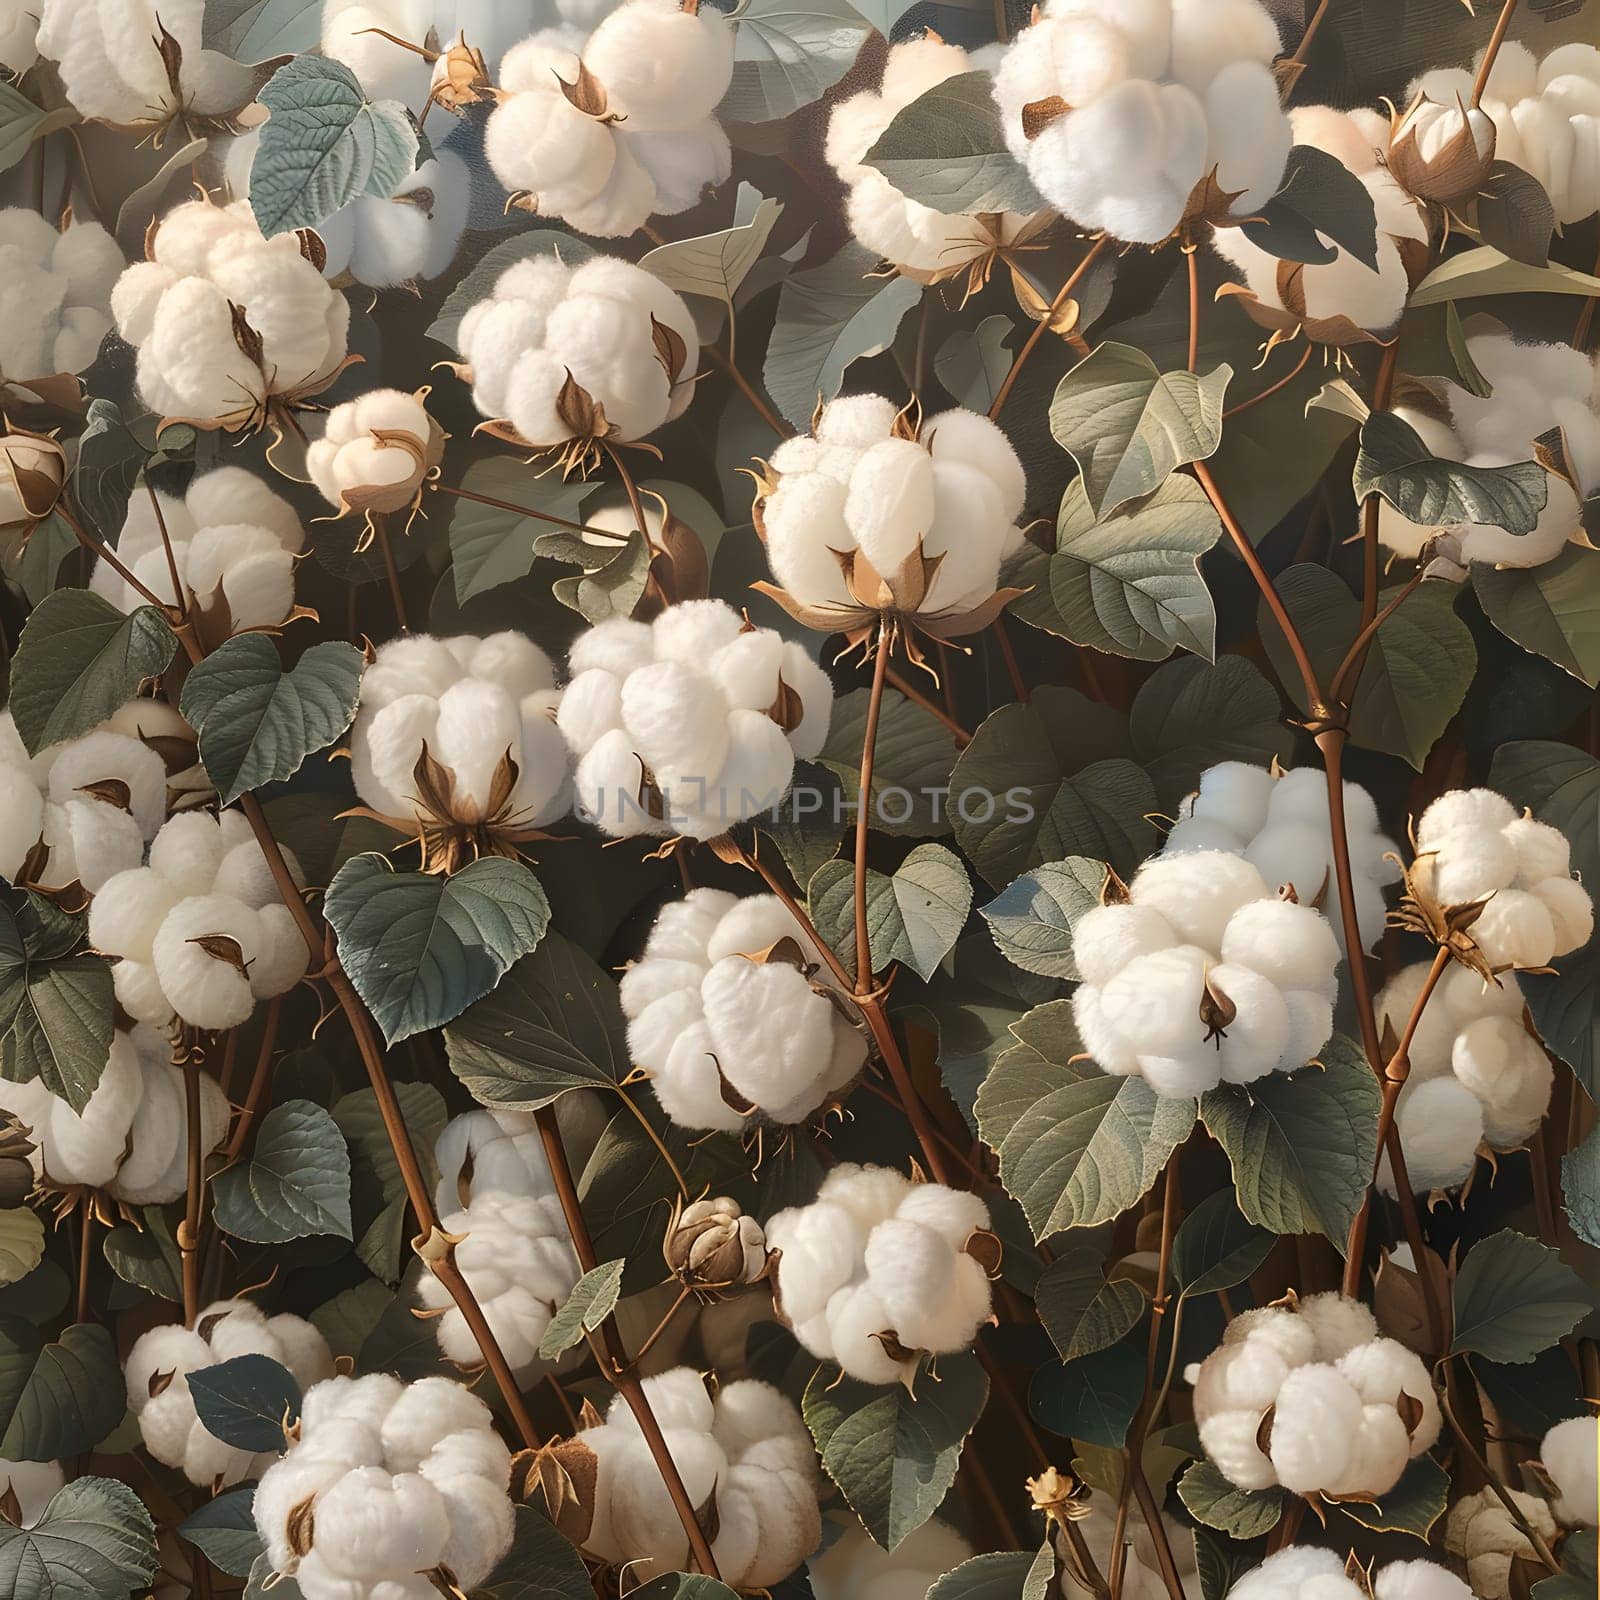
(1441,1125)
(854,1564)
(1482,1532)
(376,452)
(1568,1454)
(1304,1572)
(55,293)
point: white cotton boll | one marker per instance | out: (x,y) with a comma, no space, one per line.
(1310,1027)
(890,503)
(1441,1126)
(666,67)
(1154,1001)
(1105,1044)
(1380,1371)
(859,421)
(1249,134)
(1292,945)
(1254,1041)
(1378,1455)
(1198,893)
(376,1524)
(1419,1580)
(853,1565)
(1338,1324)
(804,558)
(1470,864)
(1236,794)
(1317,1419)
(1569,1453)
(1462,808)
(1301,1572)
(1208,35)
(1229,1439)
(1245,1376)
(1571,911)
(205,990)
(102,755)
(1106,938)
(1515,929)
(1541,851)
(683,163)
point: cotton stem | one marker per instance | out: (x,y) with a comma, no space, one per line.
(1063,294)
(1496,39)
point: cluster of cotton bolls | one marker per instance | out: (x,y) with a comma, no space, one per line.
(688,724)
(387,1483)
(1132,116)
(1203,976)
(115,68)
(233,541)
(746,1456)
(879,1270)
(1343,301)
(376,452)
(855,1565)
(731,1011)
(79,811)
(32,1484)
(609,329)
(1279,822)
(1306,1573)
(1485,1535)
(495,1193)
(873,512)
(1570,1456)
(131,1139)
(225,321)
(923,243)
(1472,846)
(1535,389)
(201,930)
(1542,116)
(1314,1399)
(608,131)
(456,735)
(158,1369)
(55,293)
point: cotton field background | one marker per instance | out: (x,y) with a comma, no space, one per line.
(799,798)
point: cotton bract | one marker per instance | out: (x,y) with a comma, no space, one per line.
(688,724)
(55,293)
(234,543)
(1481,1531)
(747,1454)
(855,1564)
(454,740)
(873,512)
(33,468)
(375,453)
(388,1482)
(1279,822)
(729,1011)
(1313,1399)
(33,1484)
(226,322)
(1203,976)
(878,1270)
(610,130)
(564,355)
(131,1140)
(1306,1573)
(201,930)
(1537,388)
(923,243)
(1135,118)
(1568,1455)
(158,1368)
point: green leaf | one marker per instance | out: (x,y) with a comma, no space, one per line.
(1430,490)
(258,723)
(378,1197)
(1412,1506)
(325,144)
(713,265)
(1005,1575)
(553,1024)
(1566,1012)
(540,1565)
(253,30)
(420,947)
(224,1531)
(1487,271)
(1514,1297)
(914,917)
(594,1297)
(973,362)
(1548,609)
(1580,1188)
(94,1541)
(1303,1144)
(1515,215)
(1130,584)
(915,754)
(894,1454)
(490,546)
(22,122)
(147,1256)
(683,1586)
(1031,920)
(1081,1309)
(1076,1146)
(786,56)
(1093,1399)
(829,316)
(59,1398)
(21,1243)
(31,558)
(1217,1246)
(1129,425)
(295,1184)
(1240,1513)
(78,660)
(1576,1579)
(614,576)
(249,1402)
(947,150)
(1318,195)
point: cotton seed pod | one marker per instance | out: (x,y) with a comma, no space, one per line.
(34,469)
(712,1245)
(376,453)
(1441,152)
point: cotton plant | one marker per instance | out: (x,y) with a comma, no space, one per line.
(1306,1573)
(606,131)
(55,292)
(376,453)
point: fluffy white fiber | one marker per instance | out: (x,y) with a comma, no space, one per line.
(131,1139)
(158,1368)
(387,1482)
(747,1453)
(923,523)
(727,1033)
(1141,1571)
(33,1483)
(1307,1573)
(1201,936)
(1122,112)
(854,1565)
(1536,388)
(375,452)
(178,310)
(482,709)
(684,725)
(610,130)
(234,542)
(1569,1454)
(55,293)
(876,1258)
(206,884)
(112,68)
(1481,1531)
(922,242)
(1332,1385)
(545,323)
(1280,824)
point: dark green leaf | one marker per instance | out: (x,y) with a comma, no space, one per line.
(914,917)
(1093,1399)
(295,1184)
(914,755)
(224,1531)
(594,1297)
(540,1565)
(1082,1311)
(1514,1297)
(247,1402)
(1577,1577)
(1515,214)
(1032,919)
(147,1256)
(1412,1506)
(1548,609)
(95,1541)
(1560,784)
(1216,1246)
(973,362)
(1580,1188)
(57,1398)
(1240,1513)
(490,545)
(1007,1575)
(1318,195)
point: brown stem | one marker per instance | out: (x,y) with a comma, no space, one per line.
(869,743)
(1513,1510)
(380,528)
(179,598)
(1288,1525)
(1382,391)
(1496,39)
(898,680)
(1580,334)
(521,511)
(1008,383)
(1303,49)
(1019,686)
(1347,669)
(724,364)
(257,1091)
(85,1239)
(1191,254)
(96,547)
(661,1327)
(1272,388)
(194,1195)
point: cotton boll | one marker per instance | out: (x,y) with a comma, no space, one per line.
(853,1565)
(859,421)
(1571,911)
(890,503)
(1154,1001)
(1236,794)
(1515,929)
(1568,1454)
(1290,944)
(1463,808)
(1318,1418)
(1207,35)
(1470,864)
(1199,893)
(1338,1324)
(1441,1125)
(1382,1370)
(1106,938)
(1481,1531)
(1301,1572)
(206,990)
(1249,134)
(1229,1439)
(1540,850)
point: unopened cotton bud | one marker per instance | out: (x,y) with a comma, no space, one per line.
(376,452)
(713,1245)
(32,471)
(1441,152)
